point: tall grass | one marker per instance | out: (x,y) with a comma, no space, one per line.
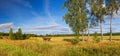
(10,50)
(82,49)
(45,48)
(36,47)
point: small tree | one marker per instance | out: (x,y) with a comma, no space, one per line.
(19,34)
(76,16)
(11,35)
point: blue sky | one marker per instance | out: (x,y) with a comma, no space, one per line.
(40,17)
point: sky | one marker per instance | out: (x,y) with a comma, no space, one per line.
(41,17)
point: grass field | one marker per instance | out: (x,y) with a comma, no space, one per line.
(57,47)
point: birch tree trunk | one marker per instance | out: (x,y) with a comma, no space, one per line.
(83,37)
(101,30)
(111,28)
(88,33)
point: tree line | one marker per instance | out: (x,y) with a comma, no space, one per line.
(16,35)
(59,35)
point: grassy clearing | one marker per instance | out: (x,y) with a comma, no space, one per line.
(58,47)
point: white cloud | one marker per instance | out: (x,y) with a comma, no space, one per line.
(46,27)
(66,29)
(6,25)
(40,27)
(49,29)
(46,30)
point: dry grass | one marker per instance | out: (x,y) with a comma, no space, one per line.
(57,47)
(54,40)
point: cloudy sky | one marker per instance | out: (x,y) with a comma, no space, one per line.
(40,17)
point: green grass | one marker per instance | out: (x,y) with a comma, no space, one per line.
(10,50)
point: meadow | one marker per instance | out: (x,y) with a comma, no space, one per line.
(35,46)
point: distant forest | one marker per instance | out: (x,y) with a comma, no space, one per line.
(58,35)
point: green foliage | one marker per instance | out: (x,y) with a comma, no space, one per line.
(95,35)
(96,38)
(11,34)
(24,36)
(76,17)
(0,33)
(68,40)
(75,41)
(4,34)
(19,34)
(28,36)
(98,11)
(112,6)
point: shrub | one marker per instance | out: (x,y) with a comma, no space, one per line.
(68,40)
(96,38)
(24,36)
(74,41)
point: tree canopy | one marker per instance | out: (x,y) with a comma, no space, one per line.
(76,16)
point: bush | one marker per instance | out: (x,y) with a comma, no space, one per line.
(74,41)
(96,38)
(68,40)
